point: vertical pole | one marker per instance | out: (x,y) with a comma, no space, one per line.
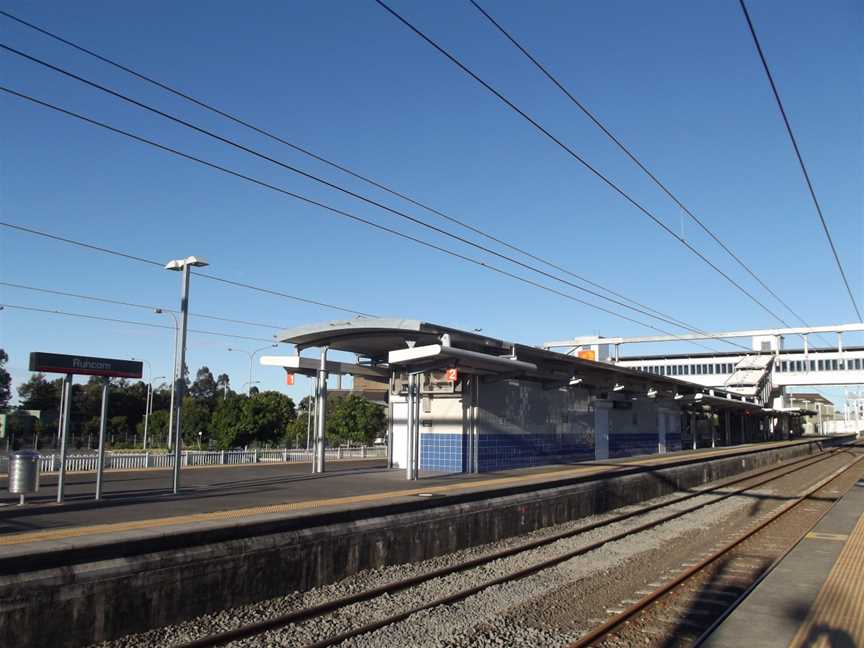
(416,432)
(170,432)
(713,433)
(390,435)
(321,413)
(65,418)
(693,429)
(409,429)
(103,424)
(728,423)
(311,408)
(251,365)
(475,422)
(60,413)
(180,369)
(147,405)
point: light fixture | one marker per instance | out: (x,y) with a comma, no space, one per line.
(575,381)
(618,387)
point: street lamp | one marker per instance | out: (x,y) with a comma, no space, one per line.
(147,398)
(160,311)
(251,355)
(148,408)
(184,266)
(250,383)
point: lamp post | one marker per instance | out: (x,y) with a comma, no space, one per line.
(183,266)
(254,382)
(147,397)
(168,436)
(251,355)
(148,409)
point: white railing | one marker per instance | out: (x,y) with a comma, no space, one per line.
(131,460)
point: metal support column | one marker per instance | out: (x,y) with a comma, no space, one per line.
(390,434)
(148,404)
(103,425)
(693,429)
(415,443)
(179,377)
(64,434)
(409,432)
(321,413)
(728,422)
(476,419)
(60,412)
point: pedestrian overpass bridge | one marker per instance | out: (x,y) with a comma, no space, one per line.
(763,370)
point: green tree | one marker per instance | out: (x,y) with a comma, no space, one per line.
(5,381)
(194,418)
(157,430)
(226,422)
(39,394)
(268,415)
(205,385)
(354,419)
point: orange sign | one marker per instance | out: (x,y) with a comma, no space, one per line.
(289,379)
(587,355)
(451,375)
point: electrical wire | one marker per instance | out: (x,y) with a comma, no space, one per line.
(326,207)
(133,322)
(582,161)
(305,151)
(800,159)
(116,302)
(353,194)
(633,158)
(132,257)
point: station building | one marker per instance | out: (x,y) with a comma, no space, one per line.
(461,401)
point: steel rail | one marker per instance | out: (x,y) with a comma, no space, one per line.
(305,614)
(747,592)
(605,628)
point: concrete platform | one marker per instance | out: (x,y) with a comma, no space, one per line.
(239,535)
(138,504)
(815,596)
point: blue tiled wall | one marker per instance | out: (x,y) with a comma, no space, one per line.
(442,452)
(504,451)
(630,444)
(673,441)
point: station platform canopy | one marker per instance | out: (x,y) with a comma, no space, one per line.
(394,344)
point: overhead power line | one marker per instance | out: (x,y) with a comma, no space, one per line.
(132,257)
(52,311)
(582,161)
(116,302)
(800,159)
(633,158)
(305,151)
(417,221)
(306,200)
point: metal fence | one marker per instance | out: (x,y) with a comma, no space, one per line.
(128,460)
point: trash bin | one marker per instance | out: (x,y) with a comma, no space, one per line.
(23,473)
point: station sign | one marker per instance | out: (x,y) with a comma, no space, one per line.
(586,354)
(85,365)
(451,375)
(289,378)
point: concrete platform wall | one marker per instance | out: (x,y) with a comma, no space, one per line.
(118,590)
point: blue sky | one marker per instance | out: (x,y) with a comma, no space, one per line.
(679,82)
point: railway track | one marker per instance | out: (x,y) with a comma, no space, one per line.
(683,610)
(731,488)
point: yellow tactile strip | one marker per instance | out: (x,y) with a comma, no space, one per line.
(837,615)
(288,507)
